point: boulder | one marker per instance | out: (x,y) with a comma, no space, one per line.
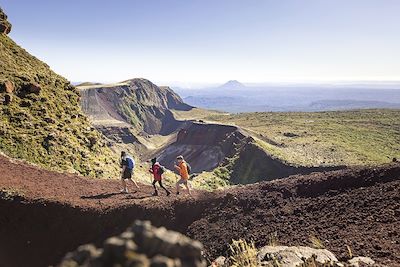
(169,243)
(49,120)
(5,26)
(162,261)
(83,253)
(92,141)
(115,248)
(294,256)
(219,262)
(29,88)
(7,87)
(7,99)
(33,88)
(361,261)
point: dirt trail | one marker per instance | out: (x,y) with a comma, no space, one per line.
(56,212)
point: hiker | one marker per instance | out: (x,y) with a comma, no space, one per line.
(182,168)
(127,165)
(157,170)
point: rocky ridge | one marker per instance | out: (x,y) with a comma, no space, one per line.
(138,102)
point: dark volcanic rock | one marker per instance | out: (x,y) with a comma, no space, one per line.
(32,88)
(5,26)
(7,99)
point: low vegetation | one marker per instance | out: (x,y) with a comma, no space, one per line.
(10,193)
(243,254)
(211,180)
(359,137)
(316,242)
(196,114)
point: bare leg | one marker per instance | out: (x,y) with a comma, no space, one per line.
(123,185)
(177,188)
(134,181)
(188,187)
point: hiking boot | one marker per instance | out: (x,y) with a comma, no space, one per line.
(177,193)
(155,194)
(124,191)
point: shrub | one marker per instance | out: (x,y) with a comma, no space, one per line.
(243,254)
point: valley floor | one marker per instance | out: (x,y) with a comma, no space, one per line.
(46,214)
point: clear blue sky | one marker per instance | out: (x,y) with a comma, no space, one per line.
(201,41)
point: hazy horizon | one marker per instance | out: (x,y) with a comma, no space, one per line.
(200,43)
(205,85)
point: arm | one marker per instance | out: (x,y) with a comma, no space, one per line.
(177,168)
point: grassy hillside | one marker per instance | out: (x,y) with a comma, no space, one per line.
(362,137)
(196,114)
(43,122)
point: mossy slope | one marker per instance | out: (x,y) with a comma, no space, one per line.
(47,127)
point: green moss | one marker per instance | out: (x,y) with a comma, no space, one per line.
(48,128)
(210,181)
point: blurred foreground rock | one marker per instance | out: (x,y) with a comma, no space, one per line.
(140,245)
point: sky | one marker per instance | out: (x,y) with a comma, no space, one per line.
(212,41)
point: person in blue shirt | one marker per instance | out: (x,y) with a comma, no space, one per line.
(127,165)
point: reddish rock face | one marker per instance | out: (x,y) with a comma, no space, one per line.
(9,87)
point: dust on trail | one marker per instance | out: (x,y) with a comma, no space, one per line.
(55,212)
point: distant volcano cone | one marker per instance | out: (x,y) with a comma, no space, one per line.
(232,84)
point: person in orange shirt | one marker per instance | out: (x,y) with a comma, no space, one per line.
(182,168)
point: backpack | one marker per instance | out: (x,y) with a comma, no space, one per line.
(161,170)
(130,163)
(189,168)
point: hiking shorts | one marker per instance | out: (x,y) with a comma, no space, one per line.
(182,181)
(127,174)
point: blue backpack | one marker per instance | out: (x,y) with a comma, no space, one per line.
(130,163)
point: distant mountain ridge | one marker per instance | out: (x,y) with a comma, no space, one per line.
(234,96)
(137,102)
